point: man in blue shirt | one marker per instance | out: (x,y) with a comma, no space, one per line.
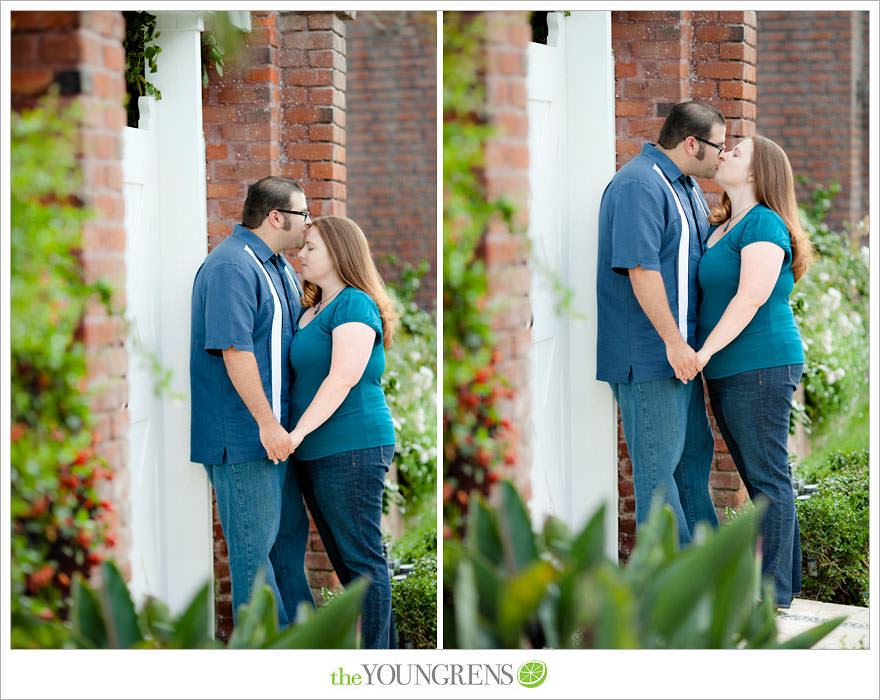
(246,299)
(653,226)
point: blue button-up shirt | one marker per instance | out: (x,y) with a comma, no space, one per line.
(654,216)
(246,297)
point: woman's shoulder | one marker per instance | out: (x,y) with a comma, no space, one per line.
(765,216)
(354,304)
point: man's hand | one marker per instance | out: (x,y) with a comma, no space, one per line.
(276,441)
(683,359)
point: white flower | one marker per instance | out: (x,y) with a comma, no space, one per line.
(824,277)
(827,340)
(836,296)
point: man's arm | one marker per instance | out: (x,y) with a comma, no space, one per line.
(649,290)
(241,365)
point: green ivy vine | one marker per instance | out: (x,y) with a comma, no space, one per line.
(476,442)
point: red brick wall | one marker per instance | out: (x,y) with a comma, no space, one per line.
(813,91)
(662,58)
(392,138)
(280,110)
(81,53)
(507,174)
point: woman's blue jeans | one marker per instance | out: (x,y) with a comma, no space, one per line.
(266,527)
(344,496)
(752,410)
(671,447)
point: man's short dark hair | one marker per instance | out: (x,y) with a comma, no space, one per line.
(688,119)
(263,196)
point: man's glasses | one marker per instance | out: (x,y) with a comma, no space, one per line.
(304,214)
(720,147)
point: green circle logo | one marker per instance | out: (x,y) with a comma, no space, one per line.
(531,674)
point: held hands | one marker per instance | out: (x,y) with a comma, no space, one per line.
(683,360)
(276,441)
(703,357)
(294,439)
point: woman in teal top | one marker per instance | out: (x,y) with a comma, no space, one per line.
(343,436)
(751,351)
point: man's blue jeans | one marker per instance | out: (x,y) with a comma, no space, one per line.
(265,526)
(344,495)
(671,447)
(752,410)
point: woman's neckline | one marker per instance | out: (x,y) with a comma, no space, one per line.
(323,309)
(731,229)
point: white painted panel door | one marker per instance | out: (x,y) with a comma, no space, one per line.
(144,407)
(571,142)
(549,355)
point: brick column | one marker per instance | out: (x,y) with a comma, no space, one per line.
(662,58)
(313,66)
(242,118)
(392,138)
(814,100)
(81,53)
(506,253)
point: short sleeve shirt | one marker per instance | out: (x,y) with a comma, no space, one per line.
(246,297)
(363,419)
(771,338)
(654,216)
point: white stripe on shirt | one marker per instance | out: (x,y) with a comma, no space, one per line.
(275,345)
(684,243)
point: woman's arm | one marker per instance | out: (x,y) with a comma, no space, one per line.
(760,264)
(352,347)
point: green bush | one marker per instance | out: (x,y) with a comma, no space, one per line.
(410,383)
(832,311)
(107,619)
(59,523)
(508,587)
(834,530)
(414,599)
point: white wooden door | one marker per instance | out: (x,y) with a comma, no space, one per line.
(144,407)
(571,150)
(166,241)
(549,355)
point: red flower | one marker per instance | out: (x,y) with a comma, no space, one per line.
(17,431)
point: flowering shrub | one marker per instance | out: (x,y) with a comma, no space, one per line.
(410,383)
(831,307)
(58,520)
(475,440)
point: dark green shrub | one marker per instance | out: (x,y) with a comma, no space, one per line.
(414,599)
(834,530)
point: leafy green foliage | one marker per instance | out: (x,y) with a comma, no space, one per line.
(506,586)
(107,619)
(410,382)
(141,54)
(475,439)
(831,307)
(834,530)
(221,41)
(59,523)
(414,599)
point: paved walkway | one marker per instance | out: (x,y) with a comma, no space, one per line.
(803,614)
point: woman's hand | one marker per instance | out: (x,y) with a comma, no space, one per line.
(296,437)
(703,357)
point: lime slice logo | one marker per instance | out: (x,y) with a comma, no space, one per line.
(532,673)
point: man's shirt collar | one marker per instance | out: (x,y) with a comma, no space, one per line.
(254,242)
(665,163)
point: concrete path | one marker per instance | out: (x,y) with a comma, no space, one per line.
(803,614)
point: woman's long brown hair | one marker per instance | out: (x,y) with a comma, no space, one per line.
(351,257)
(774,188)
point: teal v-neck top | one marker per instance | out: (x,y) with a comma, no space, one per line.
(771,339)
(362,419)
